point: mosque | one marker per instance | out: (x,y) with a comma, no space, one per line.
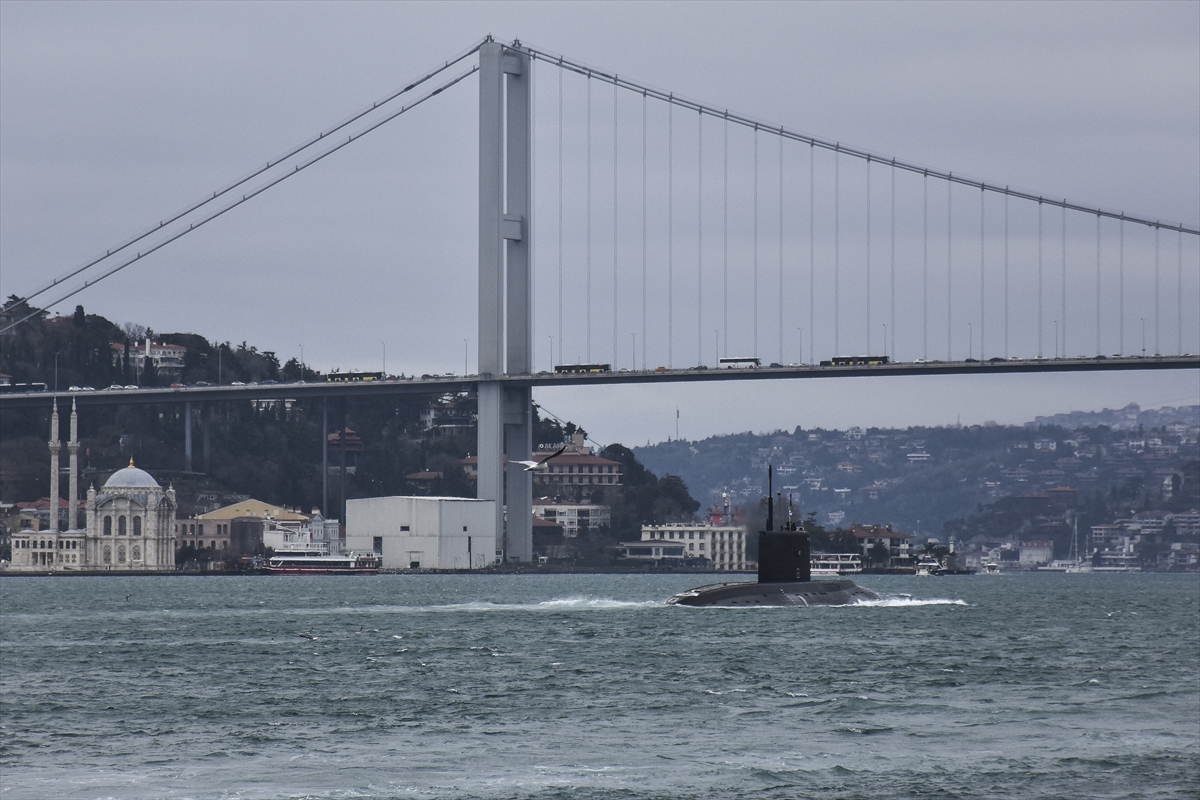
(130,523)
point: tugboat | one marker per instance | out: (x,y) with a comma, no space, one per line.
(784,575)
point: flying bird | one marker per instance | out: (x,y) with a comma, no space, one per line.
(544,464)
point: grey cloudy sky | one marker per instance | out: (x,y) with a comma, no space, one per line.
(115,115)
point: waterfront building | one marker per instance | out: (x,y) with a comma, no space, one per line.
(424,532)
(577,469)
(723,546)
(899,544)
(242,528)
(1034,554)
(573,517)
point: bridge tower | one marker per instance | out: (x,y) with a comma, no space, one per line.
(505,294)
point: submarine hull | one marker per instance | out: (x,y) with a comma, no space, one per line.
(796,593)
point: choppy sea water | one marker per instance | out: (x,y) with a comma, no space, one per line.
(588,686)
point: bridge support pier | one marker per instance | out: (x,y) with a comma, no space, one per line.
(325,457)
(187,436)
(505,294)
(206,418)
(518,438)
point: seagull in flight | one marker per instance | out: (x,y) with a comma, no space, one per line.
(544,464)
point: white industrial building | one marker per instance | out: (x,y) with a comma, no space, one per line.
(424,532)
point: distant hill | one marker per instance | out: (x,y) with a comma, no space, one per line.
(922,478)
(1127,418)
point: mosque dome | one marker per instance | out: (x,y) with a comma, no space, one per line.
(131,477)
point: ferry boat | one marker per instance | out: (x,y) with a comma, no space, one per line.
(830,565)
(306,562)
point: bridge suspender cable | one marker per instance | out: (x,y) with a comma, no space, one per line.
(893,280)
(1039,288)
(949,268)
(812,249)
(779,291)
(756,241)
(560,221)
(925,268)
(837,250)
(1120,288)
(1098,350)
(1156,237)
(1006,276)
(982,274)
(837,147)
(868,292)
(254,174)
(588,214)
(616,305)
(1064,281)
(699,238)
(643,232)
(247,196)
(725,229)
(670,236)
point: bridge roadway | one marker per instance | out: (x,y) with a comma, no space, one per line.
(459,383)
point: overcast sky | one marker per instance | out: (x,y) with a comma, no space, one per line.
(113,116)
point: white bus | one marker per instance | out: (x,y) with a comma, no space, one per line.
(739,362)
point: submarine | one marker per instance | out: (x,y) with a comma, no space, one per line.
(784,575)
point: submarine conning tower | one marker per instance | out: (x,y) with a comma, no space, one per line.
(784,557)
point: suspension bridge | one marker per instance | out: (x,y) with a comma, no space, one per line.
(648,236)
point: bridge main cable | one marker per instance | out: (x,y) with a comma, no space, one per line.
(837,147)
(245,197)
(321,136)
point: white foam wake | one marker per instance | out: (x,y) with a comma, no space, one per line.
(556,604)
(906,602)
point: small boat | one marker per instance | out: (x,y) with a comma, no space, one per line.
(929,566)
(315,563)
(991,567)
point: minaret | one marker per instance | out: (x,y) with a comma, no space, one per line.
(55,447)
(73,485)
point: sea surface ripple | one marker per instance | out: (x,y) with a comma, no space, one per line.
(588,686)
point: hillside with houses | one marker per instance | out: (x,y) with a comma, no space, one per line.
(1038,482)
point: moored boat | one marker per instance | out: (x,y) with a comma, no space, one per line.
(831,565)
(929,566)
(311,563)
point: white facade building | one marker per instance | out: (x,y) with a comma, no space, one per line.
(573,517)
(723,545)
(424,532)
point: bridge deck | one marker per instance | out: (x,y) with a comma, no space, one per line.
(433,385)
